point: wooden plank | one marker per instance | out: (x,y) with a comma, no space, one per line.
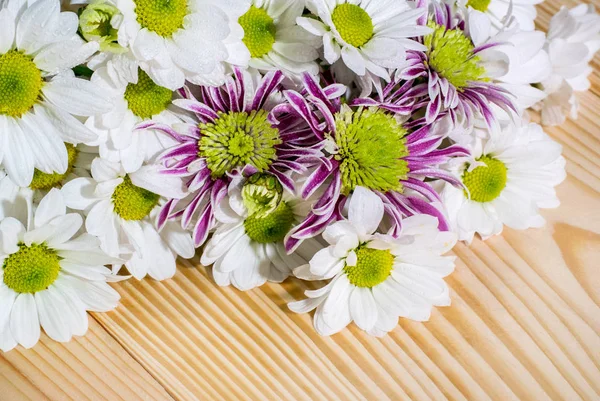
(524,324)
(94,367)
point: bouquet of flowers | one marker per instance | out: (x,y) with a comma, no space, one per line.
(347,141)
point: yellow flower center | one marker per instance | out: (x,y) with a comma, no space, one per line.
(146,99)
(161,16)
(131,202)
(20,83)
(486,183)
(373,266)
(259,31)
(45,181)
(353,23)
(31,269)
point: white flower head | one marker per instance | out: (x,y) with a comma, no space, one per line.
(368,36)
(274,41)
(135,100)
(121,209)
(510,177)
(39,96)
(178,40)
(247,247)
(573,40)
(50,276)
(376,278)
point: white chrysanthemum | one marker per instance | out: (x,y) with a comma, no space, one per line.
(369,36)
(135,99)
(247,247)
(521,12)
(510,177)
(175,40)
(121,210)
(377,278)
(273,40)
(573,40)
(517,58)
(39,96)
(50,278)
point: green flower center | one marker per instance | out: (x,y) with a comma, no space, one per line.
(373,266)
(146,99)
(95,25)
(261,194)
(31,269)
(485,183)
(259,31)
(131,202)
(371,146)
(45,181)
(161,16)
(479,5)
(270,228)
(20,83)
(353,23)
(237,139)
(450,54)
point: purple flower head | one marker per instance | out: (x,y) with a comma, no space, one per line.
(237,131)
(366,145)
(452,75)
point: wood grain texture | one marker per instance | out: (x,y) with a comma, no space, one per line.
(524,323)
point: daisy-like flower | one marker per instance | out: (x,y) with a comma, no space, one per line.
(99,21)
(461,67)
(573,40)
(368,36)
(274,41)
(178,40)
(121,209)
(121,134)
(235,133)
(39,96)
(510,177)
(376,278)
(49,277)
(247,247)
(503,13)
(368,146)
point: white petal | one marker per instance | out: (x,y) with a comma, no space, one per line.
(363,308)
(7,298)
(24,323)
(64,54)
(76,96)
(51,206)
(365,211)
(79,193)
(7,30)
(18,159)
(36,24)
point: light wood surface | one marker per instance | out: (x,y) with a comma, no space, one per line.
(524,323)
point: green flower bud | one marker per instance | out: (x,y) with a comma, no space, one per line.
(98,22)
(261,194)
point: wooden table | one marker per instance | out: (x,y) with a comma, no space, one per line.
(524,323)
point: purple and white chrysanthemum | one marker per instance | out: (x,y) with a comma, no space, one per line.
(367,146)
(237,132)
(459,67)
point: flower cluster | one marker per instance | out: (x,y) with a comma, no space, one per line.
(347,141)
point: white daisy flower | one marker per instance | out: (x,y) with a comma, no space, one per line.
(121,209)
(136,101)
(505,13)
(377,278)
(368,36)
(273,39)
(175,40)
(39,95)
(247,247)
(510,177)
(573,40)
(49,278)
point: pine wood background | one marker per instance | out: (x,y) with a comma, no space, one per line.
(524,323)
